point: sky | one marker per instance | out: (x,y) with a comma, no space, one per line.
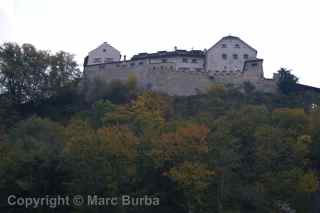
(286,33)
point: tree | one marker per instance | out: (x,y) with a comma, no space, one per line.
(29,75)
(23,72)
(31,161)
(287,81)
(182,156)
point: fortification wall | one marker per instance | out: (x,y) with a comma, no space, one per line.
(164,77)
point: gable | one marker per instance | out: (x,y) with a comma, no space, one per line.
(106,46)
(232,38)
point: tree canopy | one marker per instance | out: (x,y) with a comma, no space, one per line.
(223,151)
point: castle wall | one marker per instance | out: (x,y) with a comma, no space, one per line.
(161,77)
(164,77)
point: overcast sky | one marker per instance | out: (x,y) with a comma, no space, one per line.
(286,33)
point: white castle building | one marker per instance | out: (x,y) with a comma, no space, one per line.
(182,72)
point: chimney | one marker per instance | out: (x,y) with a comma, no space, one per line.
(125,58)
(175,48)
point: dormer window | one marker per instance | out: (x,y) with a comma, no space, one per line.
(104,50)
(223,45)
(237,46)
(224,56)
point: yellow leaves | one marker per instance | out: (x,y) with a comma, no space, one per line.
(152,102)
(217,89)
(83,140)
(80,139)
(308,183)
(119,142)
(145,113)
(191,175)
(294,119)
(121,115)
(132,82)
(114,141)
(186,142)
(111,149)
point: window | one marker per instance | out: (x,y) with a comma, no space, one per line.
(224,56)
(254,64)
(132,64)
(185,60)
(223,45)
(106,60)
(245,56)
(164,60)
(104,50)
(183,69)
(194,60)
(97,60)
(235,56)
(141,63)
(236,46)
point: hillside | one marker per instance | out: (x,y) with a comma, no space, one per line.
(222,151)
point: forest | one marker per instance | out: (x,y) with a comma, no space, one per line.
(223,151)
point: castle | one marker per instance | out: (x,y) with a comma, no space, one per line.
(230,61)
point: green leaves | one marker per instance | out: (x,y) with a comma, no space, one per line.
(31,75)
(287,81)
(218,152)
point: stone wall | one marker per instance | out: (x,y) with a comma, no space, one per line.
(166,78)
